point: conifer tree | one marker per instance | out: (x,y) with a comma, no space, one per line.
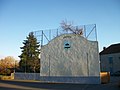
(29,58)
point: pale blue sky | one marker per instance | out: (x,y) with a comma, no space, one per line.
(19,17)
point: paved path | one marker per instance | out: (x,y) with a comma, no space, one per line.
(36,85)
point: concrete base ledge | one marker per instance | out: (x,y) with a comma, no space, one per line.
(79,80)
(27,76)
(58,79)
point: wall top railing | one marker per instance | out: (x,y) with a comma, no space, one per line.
(87,31)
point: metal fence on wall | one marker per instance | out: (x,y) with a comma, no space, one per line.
(44,36)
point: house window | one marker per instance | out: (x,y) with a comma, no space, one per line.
(111,69)
(110,60)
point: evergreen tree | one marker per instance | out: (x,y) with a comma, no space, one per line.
(29,59)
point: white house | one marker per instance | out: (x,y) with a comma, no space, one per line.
(110,58)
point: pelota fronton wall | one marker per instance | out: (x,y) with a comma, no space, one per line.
(70,58)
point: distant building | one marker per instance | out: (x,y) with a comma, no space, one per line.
(110,58)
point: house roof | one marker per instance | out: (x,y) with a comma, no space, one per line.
(114,48)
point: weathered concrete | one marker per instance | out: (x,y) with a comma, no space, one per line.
(80,60)
(27,76)
(70,79)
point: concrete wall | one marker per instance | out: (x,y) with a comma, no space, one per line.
(69,79)
(106,65)
(63,79)
(80,60)
(27,76)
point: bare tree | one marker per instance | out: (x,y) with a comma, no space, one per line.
(68,26)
